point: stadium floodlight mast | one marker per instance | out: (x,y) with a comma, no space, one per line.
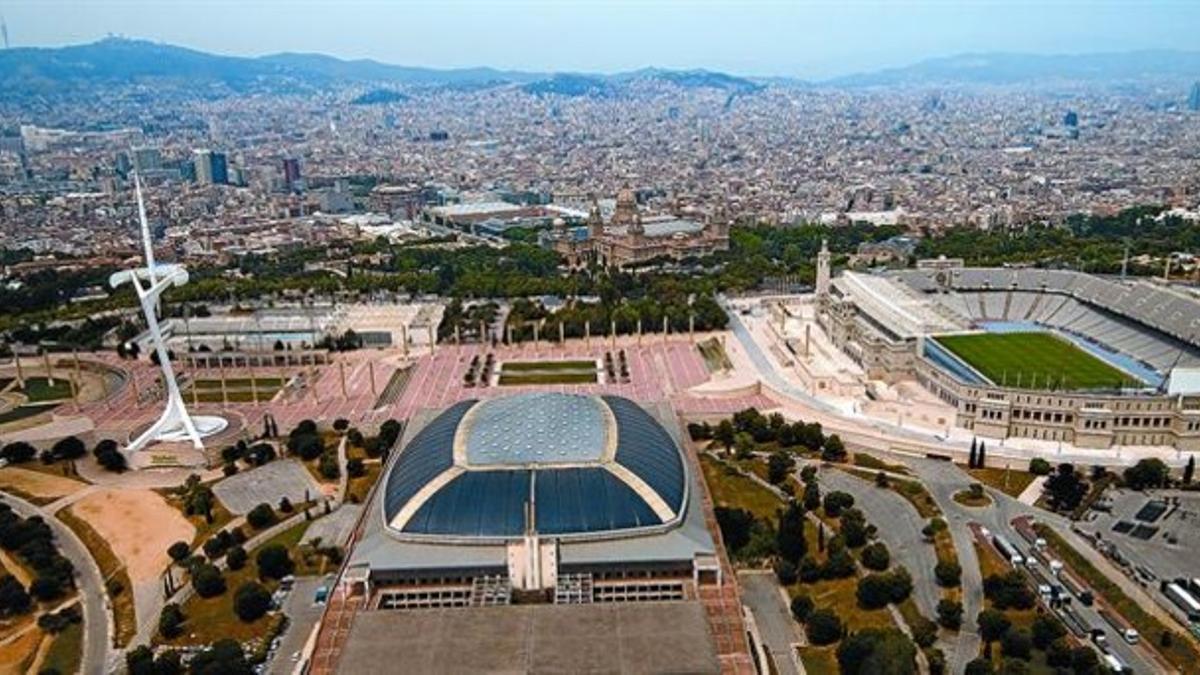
(175,424)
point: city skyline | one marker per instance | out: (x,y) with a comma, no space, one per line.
(804,40)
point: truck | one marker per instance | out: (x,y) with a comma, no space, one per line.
(1183,600)
(1010,552)
(1128,633)
(1076,588)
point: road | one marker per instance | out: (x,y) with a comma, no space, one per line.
(97,631)
(303,615)
(761,592)
(943,479)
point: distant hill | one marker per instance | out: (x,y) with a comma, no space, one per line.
(569,84)
(1006,68)
(379,96)
(696,79)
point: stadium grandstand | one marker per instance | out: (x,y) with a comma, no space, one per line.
(1045,354)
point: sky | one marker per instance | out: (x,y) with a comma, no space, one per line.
(811,40)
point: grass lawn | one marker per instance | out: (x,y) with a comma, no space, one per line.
(1034,360)
(232,395)
(113,571)
(1011,482)
(733,490)
(66,652)
(207,620)
(545,377)
(39,389)
(965,498)
(240,383)
(542,366)
(1182,652)
(360,487)
(841,596)
(26,411)
(874,463)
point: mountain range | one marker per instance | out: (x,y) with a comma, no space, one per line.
(86,68)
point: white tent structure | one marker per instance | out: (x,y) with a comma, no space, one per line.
(175,424)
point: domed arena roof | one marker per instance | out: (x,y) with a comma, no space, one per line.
(588,465)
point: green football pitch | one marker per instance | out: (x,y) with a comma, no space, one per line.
(1035,360)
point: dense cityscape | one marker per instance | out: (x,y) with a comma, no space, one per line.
(312,365)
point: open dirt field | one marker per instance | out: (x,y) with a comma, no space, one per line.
(37,483)
(16,656)
(139,525)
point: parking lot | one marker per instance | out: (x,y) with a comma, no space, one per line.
(270,483)
(1158,532)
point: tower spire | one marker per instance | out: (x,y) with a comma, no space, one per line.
(4,31)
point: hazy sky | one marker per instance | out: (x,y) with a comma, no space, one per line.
(752,37)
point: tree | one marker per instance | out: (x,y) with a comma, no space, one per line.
(779,466)
(838,565)
(1064,489)
(224,657)
(68,448)
(875,556)
(1016,643)
(18,452)
(328,466)
(979,666)
(981,458)
(744,446)
(877,650)
(972,457)
(14,599)
(789,538)
(735,526)
(725,434)
(170,621)
(179,551)
(823,627)
(809,475)
(1039,467)
(833,450)
(1045,630)
(948,573)
(251,601)
(802,607)
(1147,473)
(809,571)
(355,468)
(1190,470)
(874,591)
(111,458)
(812,496)
(992,624)
(854,528)
(785,572)
(836,502)
(274,562)
(207,580)
(949,613)
(261,516)
(235,558)
(1008,591)
(881,480)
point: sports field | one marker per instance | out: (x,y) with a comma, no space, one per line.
(1035,360)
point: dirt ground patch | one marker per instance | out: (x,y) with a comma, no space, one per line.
(17,656)
(37,483)
(139,525)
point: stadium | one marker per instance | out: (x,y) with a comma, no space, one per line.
(545,531)
(544,496)
(1043,354)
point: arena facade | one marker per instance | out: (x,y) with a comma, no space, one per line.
(1148,333)
(538,497)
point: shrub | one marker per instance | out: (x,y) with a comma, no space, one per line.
(328,466)
(836,502)
(875,556)
(236,557)
(18,452)
(810,571)
(69,448)
(948,573)
(802,608)
(285,505)
(924,631)
(355,467)
(341,424)
(274,562)
(949,614)
(170,621)
(251,601)
(179,551)
(261,516)
(229,469)
(785,572)
(14,599)
(307,446)
(823,627)
(207,580)
(1040,467)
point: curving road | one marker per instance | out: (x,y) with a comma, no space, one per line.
(97,631)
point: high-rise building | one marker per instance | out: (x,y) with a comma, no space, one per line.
(1071,119)
(211,168)
(146,158)
(1194,98)
(291,173)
